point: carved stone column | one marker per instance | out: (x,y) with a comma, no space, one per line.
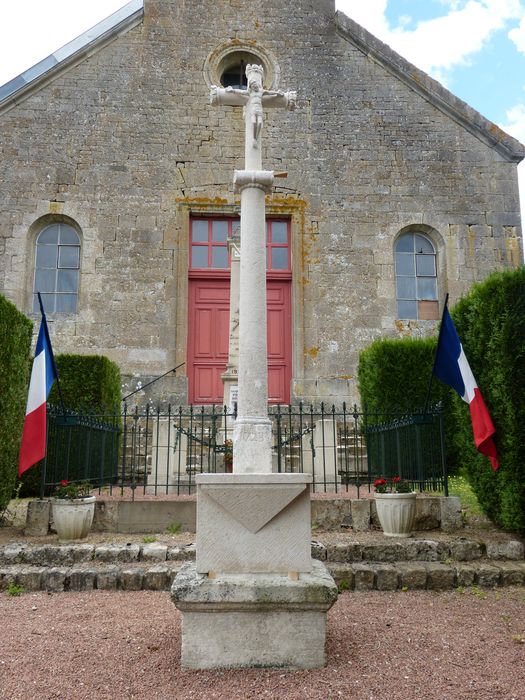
(252,437)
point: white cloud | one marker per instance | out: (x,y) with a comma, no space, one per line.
(515,125)
(439,44)
(370,14)
(517,35)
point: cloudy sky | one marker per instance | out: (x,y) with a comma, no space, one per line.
(476,48)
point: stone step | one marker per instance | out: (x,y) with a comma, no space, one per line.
(368,576)
(411,549)
(365,576)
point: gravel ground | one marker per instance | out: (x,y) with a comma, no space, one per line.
(381,646)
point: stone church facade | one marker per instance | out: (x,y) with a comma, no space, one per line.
(117,199)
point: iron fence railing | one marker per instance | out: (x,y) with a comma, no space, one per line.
(158,451)
(80,447)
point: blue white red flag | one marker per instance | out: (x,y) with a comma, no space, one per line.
(43,374)
(452,368)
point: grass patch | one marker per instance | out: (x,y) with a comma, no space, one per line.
(459,486)
(14,590)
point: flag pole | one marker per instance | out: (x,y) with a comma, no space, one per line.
(48,340)
(429,391)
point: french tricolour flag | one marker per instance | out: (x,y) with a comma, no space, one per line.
(452,367)
(43,374)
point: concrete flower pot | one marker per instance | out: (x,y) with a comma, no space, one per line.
(396,513)
(72,517)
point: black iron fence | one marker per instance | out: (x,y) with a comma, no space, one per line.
(80,447)
(159,451)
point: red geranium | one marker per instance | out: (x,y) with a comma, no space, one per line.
(70,490)
(393,485)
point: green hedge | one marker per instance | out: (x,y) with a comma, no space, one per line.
(393,375)
(490,322)
(16,332)
(89,383)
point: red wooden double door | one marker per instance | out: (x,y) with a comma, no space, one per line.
(209,311)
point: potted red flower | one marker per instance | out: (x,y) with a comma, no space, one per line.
(396,506)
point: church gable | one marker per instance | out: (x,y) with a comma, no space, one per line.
(123,146)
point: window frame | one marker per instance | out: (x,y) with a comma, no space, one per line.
(271,246)
(425,303)
(61,245)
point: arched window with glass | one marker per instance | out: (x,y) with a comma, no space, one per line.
(57,269)
(416,278)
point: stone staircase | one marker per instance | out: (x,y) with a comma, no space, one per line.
(386,565)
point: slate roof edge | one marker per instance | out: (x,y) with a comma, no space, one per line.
(431,90)
(120,22)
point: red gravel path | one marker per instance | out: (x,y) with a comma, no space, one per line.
(381,646)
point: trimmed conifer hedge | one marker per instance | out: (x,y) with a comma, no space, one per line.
(490,322)
(393,375)
(90,384)
(15,331)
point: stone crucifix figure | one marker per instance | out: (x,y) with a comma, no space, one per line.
(252,436)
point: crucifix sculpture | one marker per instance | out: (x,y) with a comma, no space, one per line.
(252,437)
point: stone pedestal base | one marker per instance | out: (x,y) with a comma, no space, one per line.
(243,620)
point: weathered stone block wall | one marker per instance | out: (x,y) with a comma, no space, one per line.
(126,144)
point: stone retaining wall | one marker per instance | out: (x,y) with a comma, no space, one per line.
(432,512)
(415,564)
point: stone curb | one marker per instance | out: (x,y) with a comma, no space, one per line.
(461,550)
(364,576)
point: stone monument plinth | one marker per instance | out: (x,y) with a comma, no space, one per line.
(243,620)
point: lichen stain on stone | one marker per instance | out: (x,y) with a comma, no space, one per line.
(498,133)
(286,201)
(344,376)
(513,251)
(56,207)
(402,328)
(239,42)
(312,352)
(209,201)
(471,240)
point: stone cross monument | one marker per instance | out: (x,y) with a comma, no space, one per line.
(252,426)
(254,596)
